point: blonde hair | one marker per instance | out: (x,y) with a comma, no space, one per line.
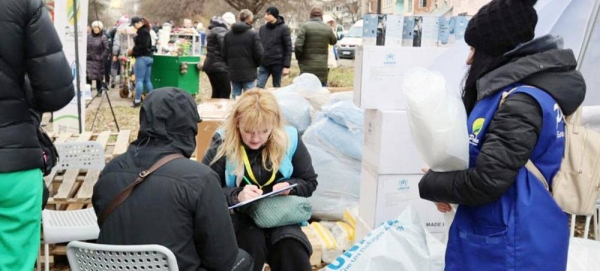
(256,108)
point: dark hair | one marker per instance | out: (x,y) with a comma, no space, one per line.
(481,65)
(146,23)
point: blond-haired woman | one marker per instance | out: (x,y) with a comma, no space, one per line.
(254,153)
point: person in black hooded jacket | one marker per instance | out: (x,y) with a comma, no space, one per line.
(179,206)
(277,43)
(242,51)
(214,65)
(35,77)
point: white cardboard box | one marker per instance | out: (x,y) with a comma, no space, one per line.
(385,197)
(388,144)
(379,73)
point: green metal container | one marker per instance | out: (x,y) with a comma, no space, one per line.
(166,72)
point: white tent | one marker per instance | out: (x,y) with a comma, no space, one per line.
(575,20)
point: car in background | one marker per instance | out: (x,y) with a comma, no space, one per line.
(353,39)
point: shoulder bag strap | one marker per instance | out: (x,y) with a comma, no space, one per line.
(127,191)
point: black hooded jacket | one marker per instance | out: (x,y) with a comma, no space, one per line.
(277,43)
(242,52)
(29,46)
(515,129)
(181,205)
(214,62)
(142,43)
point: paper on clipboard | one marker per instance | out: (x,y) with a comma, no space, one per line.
(273,193)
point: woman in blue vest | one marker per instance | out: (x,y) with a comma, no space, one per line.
(506,219)
(255,153)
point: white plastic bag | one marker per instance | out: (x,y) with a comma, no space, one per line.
(399,245)
(437,120)
(583,255)
(295,109)
(343,233)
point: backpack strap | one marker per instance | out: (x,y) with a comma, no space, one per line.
(529,165)
(124,194)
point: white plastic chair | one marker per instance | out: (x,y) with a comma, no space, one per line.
(98,257)
(595,217)
(65,226)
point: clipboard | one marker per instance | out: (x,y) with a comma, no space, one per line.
(273,193)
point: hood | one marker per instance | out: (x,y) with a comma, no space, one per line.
(279,22)
(217,22)
(544,64)
(240,27)
(169,118)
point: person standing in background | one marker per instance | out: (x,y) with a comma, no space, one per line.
(242,51)
(142,51)
(312,45)
(277,43)
(97,51)
(214,66)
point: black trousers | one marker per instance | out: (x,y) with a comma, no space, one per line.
(287,254)
(220,83)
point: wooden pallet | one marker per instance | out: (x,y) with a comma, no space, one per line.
(72,189)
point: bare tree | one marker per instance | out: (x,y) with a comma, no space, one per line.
(177,10)
(253,5)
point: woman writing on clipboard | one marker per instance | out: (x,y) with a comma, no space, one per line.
(255,153)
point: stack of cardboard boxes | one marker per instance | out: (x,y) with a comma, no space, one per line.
(391,163)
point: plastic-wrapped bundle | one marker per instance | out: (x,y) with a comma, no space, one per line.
(295,109)
(309,86)
(437,119)
(335,145)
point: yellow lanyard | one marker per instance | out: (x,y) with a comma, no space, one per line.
(251,174)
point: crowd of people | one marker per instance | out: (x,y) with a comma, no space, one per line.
(506,219)
(238,58)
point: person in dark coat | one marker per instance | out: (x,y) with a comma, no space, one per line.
(507,219)
(255,126)
(142,51)
(242,51)
(97,53)
(312,45)
(179,206)
(35,77)
(277,43)
(214,65)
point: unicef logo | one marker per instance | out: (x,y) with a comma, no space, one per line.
(390,59)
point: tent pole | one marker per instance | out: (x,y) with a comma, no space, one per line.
(78,79)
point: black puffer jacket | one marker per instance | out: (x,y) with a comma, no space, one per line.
(515,129)
(242,52)
(277,43)
(142,43)
(214,62)
(181,205)
(29,46)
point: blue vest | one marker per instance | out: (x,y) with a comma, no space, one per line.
(286,168)
(525,229)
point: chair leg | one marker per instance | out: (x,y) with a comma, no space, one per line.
(572,225)
(596,222)
(586,231)
(47,257)
(39,261)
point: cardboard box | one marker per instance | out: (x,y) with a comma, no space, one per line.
(388,145)
(362,229)
(213,112)
(379,73)
(385,197)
